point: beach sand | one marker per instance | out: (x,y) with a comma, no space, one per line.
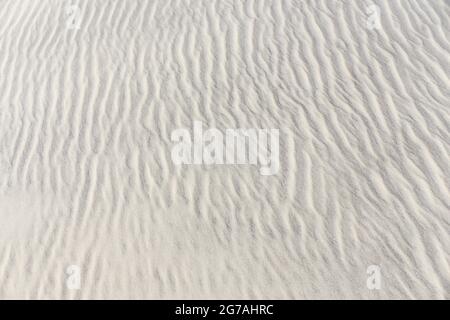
(93,207)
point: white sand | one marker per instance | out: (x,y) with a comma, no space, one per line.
(86,176)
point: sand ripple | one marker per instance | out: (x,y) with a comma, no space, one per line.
(86,176)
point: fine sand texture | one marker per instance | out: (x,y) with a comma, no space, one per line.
(93,207)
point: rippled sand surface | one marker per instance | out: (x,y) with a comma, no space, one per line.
(90,92)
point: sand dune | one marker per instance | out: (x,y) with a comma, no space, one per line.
(92,205)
